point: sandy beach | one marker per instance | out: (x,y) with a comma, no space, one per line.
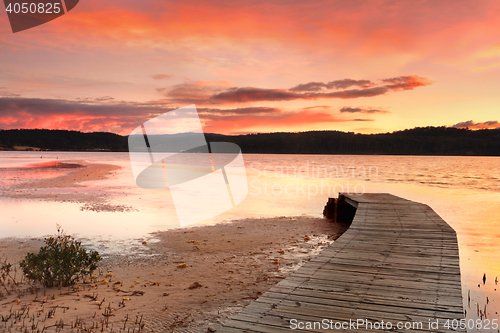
(58,180)
(189,281)
(186,280)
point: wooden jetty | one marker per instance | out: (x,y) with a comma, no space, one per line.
(398,262)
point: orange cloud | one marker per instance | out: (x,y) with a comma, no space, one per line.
(402,32)
(215,94)
(349,109)
(408,82)
(476,126)
(85,116)
(337,84)
(162,76)
(194,92)
(271,121)
(121,117)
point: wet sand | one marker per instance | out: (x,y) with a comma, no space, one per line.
(63,181)
(187,280)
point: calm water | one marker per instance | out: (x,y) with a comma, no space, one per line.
(465,191)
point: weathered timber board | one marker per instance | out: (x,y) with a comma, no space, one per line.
(398,261)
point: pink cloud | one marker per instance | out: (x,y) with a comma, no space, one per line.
(475,126)
(216,94)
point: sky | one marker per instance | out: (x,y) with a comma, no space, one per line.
(256,66)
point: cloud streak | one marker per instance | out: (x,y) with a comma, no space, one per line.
(162,76)
(475,126)
(104,114)
(194,92)
(213,94)
(376,28)
(107,114)
(87,116)
(347,109)
(337,84)
(272,121)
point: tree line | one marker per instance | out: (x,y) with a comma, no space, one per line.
(416,141)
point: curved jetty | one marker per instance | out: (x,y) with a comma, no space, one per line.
(396,265)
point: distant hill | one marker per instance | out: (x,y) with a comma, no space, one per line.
(416,141)
(62,140)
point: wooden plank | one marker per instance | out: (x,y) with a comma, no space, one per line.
(369,293)
(354,286)
(398,261)
(362,301)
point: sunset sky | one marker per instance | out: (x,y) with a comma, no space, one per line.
(256,66)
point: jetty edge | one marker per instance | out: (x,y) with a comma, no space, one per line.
(398,264)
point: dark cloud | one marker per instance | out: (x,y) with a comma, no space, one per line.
(352,93)
(473,125)
(162,76)
(347,83)
(464,124)
(208,93)
(311,86)
(396,80)
(192,92)
(39,106)
(238,111)
(337,84)
(317,107)
(118,117)
(34,107)
(250,94)
(103,114)
(347,109)
(104,99)
(351,110)
(406,82)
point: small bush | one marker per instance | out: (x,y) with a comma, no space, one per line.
(61,262)
(6,279)
(5,269)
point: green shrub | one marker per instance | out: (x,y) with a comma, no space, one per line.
(5,269)
(61,262)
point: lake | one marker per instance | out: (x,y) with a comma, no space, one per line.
(464,191)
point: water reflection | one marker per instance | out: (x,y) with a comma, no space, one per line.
(464,191)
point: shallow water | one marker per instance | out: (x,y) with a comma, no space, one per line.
(465,191)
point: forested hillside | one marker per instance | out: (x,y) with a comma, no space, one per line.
(62,140)
(417,141)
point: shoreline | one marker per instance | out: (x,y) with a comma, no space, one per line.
(58,181)
(192,278)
